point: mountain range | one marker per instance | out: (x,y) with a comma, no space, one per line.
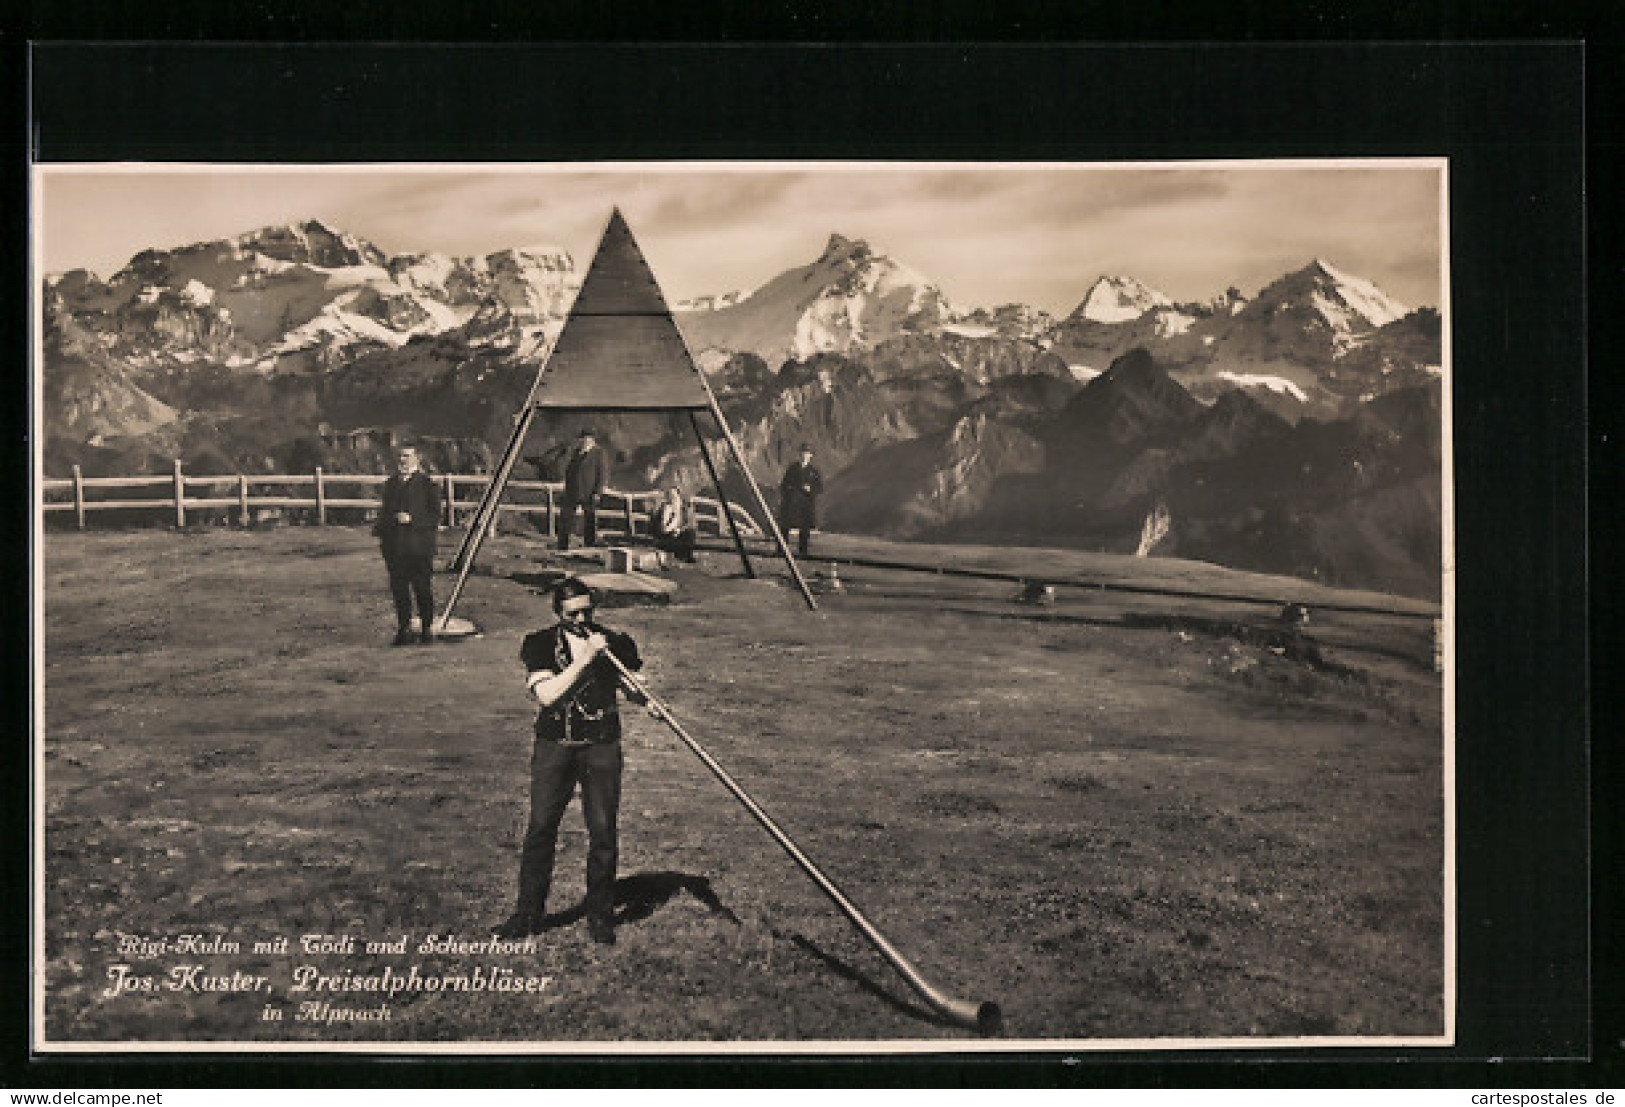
(1294,431)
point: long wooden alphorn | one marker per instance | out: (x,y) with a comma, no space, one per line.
(984,1017)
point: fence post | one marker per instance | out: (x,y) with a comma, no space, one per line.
(321,499)
(631,525)
(451,499)
(79,496)
(547,516)
(243,518)
(180,497)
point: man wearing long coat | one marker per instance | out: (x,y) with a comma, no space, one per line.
(798,497)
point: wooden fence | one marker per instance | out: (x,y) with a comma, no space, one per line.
(618,512)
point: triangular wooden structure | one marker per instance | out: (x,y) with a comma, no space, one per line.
(620,350)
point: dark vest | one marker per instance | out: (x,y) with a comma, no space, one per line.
(590,712)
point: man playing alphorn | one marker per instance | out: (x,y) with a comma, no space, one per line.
(578,741)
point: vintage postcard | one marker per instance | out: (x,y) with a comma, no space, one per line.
(757,606)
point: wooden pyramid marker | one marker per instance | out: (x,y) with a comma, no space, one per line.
(620,349)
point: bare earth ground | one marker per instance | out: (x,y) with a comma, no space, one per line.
(1118,816)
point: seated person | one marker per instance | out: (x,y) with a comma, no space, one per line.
(671,523)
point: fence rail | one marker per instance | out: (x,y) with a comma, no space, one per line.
(619,512)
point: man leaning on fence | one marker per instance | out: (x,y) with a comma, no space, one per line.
(408,524)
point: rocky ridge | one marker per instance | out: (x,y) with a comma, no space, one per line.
(290,347)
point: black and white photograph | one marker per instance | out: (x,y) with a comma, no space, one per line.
(802,606)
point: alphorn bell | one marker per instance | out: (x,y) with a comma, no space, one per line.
(984,1017)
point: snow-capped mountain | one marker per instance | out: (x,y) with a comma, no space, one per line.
(1347,302)
(536,284)
(1018,321)
(1312,341)
(1317,312)
(850,296)
(1119,299)
(310,243)
(310,298)
(306,296)
(1295,338)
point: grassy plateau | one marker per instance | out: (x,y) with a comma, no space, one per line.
(1119,816)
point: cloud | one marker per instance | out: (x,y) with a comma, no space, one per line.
(712,200)
(987,234)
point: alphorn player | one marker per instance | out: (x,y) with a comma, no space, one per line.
(578,742)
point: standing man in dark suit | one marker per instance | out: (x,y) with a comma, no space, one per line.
(798,496)
(408,525)
(584,477)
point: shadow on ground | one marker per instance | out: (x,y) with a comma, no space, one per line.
(639,896)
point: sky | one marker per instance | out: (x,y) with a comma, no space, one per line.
(987,235)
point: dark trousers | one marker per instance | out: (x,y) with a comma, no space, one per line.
(411,575)
(555,770)
(589,522)
(681,543)
(793,521)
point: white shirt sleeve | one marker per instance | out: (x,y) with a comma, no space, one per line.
(550,687)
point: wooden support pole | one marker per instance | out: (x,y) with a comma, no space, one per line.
(321,499)
(631,526)
(180,497)
(750,481)
(450,497)
(485,517)
(79,496)
(761,501)
(485,513)
(243,519)
(722,499)
(547,515)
